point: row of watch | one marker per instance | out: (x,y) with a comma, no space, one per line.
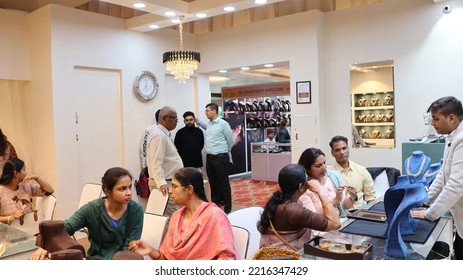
(258,105)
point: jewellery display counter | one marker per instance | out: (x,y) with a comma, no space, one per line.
(373,117)
(15,243)
(267,159)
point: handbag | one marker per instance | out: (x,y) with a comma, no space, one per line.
(31,219)
(142,185)
(266,253)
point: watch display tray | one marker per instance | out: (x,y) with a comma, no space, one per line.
(369,215)
(326,248)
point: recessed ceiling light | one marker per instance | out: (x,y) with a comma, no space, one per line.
(268,65)
(201,15)
(153,26)
(260,2)
(139,5)
(245,68)
(169,14)
(176,21)
(222,71)
(229,9)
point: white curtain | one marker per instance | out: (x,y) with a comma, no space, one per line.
(14,118)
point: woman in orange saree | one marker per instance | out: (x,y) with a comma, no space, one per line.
(198,231)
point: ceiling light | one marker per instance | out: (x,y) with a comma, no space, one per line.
(222,71)
(245,68)
(268,65)
(181,63)
(201,15)
(176,21)
(260,2)
(169,14)
(153,26)
(139,5)
(229,9)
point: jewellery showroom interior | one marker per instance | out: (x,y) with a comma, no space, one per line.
(365,71)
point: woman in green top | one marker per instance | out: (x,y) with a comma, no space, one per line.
(112,221)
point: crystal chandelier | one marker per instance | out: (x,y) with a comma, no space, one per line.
(181,63)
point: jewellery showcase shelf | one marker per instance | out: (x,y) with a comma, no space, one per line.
(373,117)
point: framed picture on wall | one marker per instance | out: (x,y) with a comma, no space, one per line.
(303,92)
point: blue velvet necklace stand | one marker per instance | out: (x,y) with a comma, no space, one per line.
(398,201)
(417,164)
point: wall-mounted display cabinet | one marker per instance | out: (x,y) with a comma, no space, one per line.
(373,117)
(373,110)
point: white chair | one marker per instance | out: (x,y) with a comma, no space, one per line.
(157,203)
(241,242)
(47,205)
(247,218)
(90,191)
(154,229)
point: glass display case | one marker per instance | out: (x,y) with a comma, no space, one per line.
(267,159)
(17,244)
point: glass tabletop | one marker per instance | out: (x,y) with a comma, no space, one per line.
(415,251)
(15,240)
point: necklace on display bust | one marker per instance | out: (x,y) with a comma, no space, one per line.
(422,165)
(431,173)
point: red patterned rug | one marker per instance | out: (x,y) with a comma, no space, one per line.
(248,192)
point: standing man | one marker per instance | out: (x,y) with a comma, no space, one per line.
(446,191)
(219,142)
(189,141)
(352,173)
(144,142)
(162,157)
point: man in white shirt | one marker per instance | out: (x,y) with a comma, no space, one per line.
(162,157)
(144,142)
(446,191)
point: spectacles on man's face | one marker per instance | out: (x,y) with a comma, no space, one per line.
(174,118)
(427,117)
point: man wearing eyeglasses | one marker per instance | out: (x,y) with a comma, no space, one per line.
(218,144)
(446,191)
(189,141)
(162,158)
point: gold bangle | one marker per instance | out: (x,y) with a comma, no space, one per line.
(9,218)
(326,203)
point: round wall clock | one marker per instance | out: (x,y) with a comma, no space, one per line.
(146,86)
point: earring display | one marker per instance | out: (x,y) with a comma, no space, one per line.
(373,117)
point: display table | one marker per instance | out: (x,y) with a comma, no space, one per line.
(443,231)
(267,159)
(19,245)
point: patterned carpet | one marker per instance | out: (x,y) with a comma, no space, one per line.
(248,192)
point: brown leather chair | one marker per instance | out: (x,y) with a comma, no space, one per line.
(54,238)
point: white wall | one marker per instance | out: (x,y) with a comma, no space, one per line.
(425,47)
(422,41)
(14,46)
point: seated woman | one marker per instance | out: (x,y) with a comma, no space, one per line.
(7,150)
(314,162)
(198,231)
(15,186)
(112,221)
(290,220)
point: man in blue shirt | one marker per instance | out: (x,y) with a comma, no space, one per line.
(218,144)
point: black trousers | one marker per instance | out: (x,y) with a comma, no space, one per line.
(218,169)
(458,247)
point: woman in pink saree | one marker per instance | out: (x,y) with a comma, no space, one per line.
(198,231)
